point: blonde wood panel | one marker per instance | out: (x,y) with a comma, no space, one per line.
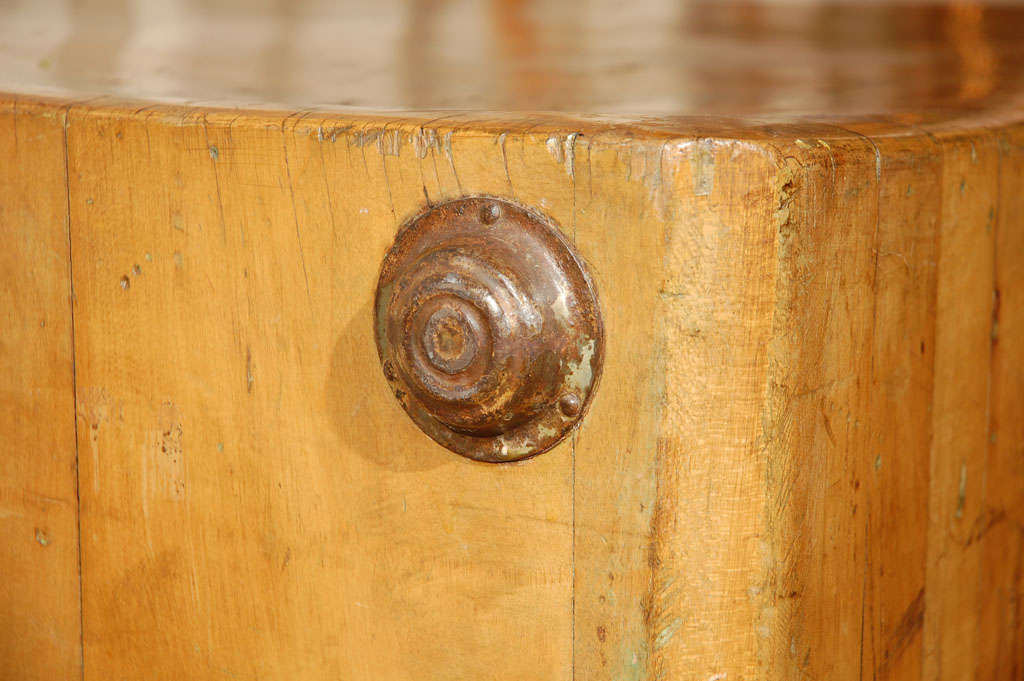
(254,501)
(961,405)
(825,540)
(816,409)
(40,631)
(615,450)
(890,455)
(1000,525)
(668,483)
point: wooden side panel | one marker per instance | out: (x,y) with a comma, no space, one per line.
(616,449)
(848,416)
(40,616)
(961,408)
(669,478)
(704,607)
(815,415)
(834,539)
(254,501)
(1000,525)
(892,453)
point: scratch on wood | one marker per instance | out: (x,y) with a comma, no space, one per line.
(214,155)
(249,378)
(389,143)
(961,497)
(666,634)
(423,140)
(983,523)
(295,216)
(504,162)
(570,154)
(361,138)
(447,144)
(563,151)
(555,149)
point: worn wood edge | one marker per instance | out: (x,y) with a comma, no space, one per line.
(626,129)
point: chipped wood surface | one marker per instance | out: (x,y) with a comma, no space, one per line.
(803,460)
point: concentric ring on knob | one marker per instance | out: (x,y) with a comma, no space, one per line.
(451,337)
(488,328)
(449,345)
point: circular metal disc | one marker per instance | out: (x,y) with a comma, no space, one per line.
(488,329)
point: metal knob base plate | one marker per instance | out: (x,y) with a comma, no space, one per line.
(488,329)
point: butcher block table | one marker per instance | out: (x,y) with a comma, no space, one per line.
(515,341)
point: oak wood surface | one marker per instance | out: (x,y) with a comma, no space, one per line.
(804,457)
(253,496)
(40,615)
(730,506)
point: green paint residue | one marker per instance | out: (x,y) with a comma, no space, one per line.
(581,374)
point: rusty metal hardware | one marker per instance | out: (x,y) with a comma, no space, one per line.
(488,329)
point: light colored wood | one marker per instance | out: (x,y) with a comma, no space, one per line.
(40,617)
(762,489)
(1000,527)
(847,422)
(254,501)
(962,404)
(804,457)
(666,478)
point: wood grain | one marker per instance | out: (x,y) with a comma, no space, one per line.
(1000,526)
(960,420)
(40,615)
(666,474)
(799,322)
(255,502)
(804,457)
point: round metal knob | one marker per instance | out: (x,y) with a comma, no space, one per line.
(488,329)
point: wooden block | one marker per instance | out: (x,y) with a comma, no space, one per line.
(803,458)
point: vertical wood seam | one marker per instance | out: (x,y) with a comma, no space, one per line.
(571,139)
(876,247)
(572,559)
(931,436)
(74,390)
(942,148)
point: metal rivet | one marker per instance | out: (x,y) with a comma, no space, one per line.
(569,405)
(490,213)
